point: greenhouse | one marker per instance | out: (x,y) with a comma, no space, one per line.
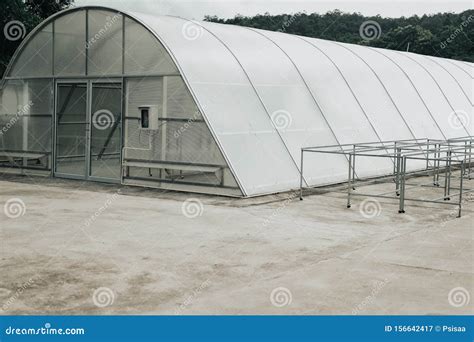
(164,102)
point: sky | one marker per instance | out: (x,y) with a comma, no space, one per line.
(197,9)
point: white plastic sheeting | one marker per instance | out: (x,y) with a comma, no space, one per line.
(265,95)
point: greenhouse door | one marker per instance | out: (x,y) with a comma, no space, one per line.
(88,130)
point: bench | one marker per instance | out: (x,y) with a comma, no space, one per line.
(11,156)
(200,168)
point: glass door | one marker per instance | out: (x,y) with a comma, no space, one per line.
(71,126)
(106,131)
(88,130)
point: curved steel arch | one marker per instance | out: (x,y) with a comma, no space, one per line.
(382,84)
(54,17)
(414,87)
(437,84)
(347,84)
(45,23)
(304,81)
(457,66)
(452,76)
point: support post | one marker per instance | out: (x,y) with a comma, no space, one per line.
(164,115)
(349,182)
(447,176)
(397,173)
(450,160)
(461,184)
(464,157)
(437,164)
(301,174)
(427,154)
(402,185)
(395,158)
(469,160)
(353,165)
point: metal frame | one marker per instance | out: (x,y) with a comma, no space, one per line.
(442,158)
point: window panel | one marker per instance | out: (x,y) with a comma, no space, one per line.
(70,44)
(143,53)
(27,97)
(105,43)
(36,59)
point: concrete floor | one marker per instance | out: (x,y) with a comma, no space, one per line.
(81,248)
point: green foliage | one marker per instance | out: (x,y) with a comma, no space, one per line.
(29,13)
(446,35)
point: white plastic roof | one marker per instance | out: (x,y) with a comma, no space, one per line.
(265,95)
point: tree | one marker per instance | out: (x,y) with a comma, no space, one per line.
(447,35)
(18,18)
(414,38)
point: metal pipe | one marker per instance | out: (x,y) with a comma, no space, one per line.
(408,199)
(461,184)
(353,167)
(449,173)
(427,154)
(397,174)
(349,182)
(402,184)
(301,175)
